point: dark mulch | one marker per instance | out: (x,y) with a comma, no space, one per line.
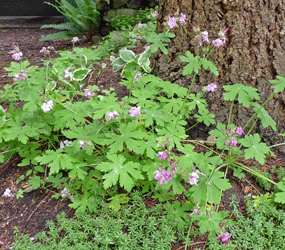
(30,213)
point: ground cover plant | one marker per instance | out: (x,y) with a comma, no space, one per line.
(88,144)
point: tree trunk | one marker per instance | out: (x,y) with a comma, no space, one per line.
(253,54)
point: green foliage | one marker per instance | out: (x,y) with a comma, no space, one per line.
(279,87)
(280,193)
(195,63)
(9,96)
(83,18)
(127,174)
(280,173)
(130,62)
(100,143)
(264,116)
(245,94)
(255,149)
(159,41)
(265,223)
(124,21)
(263,183)
(131,227)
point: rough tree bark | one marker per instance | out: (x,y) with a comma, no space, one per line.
(254,53)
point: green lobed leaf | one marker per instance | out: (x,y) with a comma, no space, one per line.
(264,116)
(245,93)
(117,200)
(126,174)
(208,64)
(280,84)
(255,149)
(280,196)
(193,63)
(205,117)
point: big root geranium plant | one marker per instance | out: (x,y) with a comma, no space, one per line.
(87,142)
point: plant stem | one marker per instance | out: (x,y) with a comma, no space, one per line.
(258,111)
(231,109)
(239,165)
(184,101)
(192,126)
(276,145)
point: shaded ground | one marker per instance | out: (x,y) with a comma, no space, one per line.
(31,212)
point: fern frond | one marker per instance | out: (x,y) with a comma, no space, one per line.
(63,35)
(61,26)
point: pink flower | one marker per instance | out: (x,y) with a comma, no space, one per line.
(138,76)
(154,14)
(221,34)
(17,56)
(172,23)
(218,42)
(88,94)
(193,178)
(82,144)
(112,115)
(211,87)
(46,107)
(204,35)
(68,74)
(162,177)
(21,76)
(162,155)
(8,193)
(195,211)
(182,18)
(135,111)
(233,141)
(225,237)
(75,39)
(43,50)
(239,131)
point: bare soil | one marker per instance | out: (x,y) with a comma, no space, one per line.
(31,212)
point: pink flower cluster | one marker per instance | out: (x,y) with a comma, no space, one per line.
(172,21)
(46,107)
(68,74)
(138,76)
(162,176)
(134,111)
(153,14)
(46,50)
(196,211)
(162,155)
(203,37)
(224,237)
(17,54)
(75,39)
(21,76)
(212,87)
(83,143)
(222,38)
(193,178)
(233,140)
(112,115)
(88,93)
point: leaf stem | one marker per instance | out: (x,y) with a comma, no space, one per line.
(231,110)
(258,110)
